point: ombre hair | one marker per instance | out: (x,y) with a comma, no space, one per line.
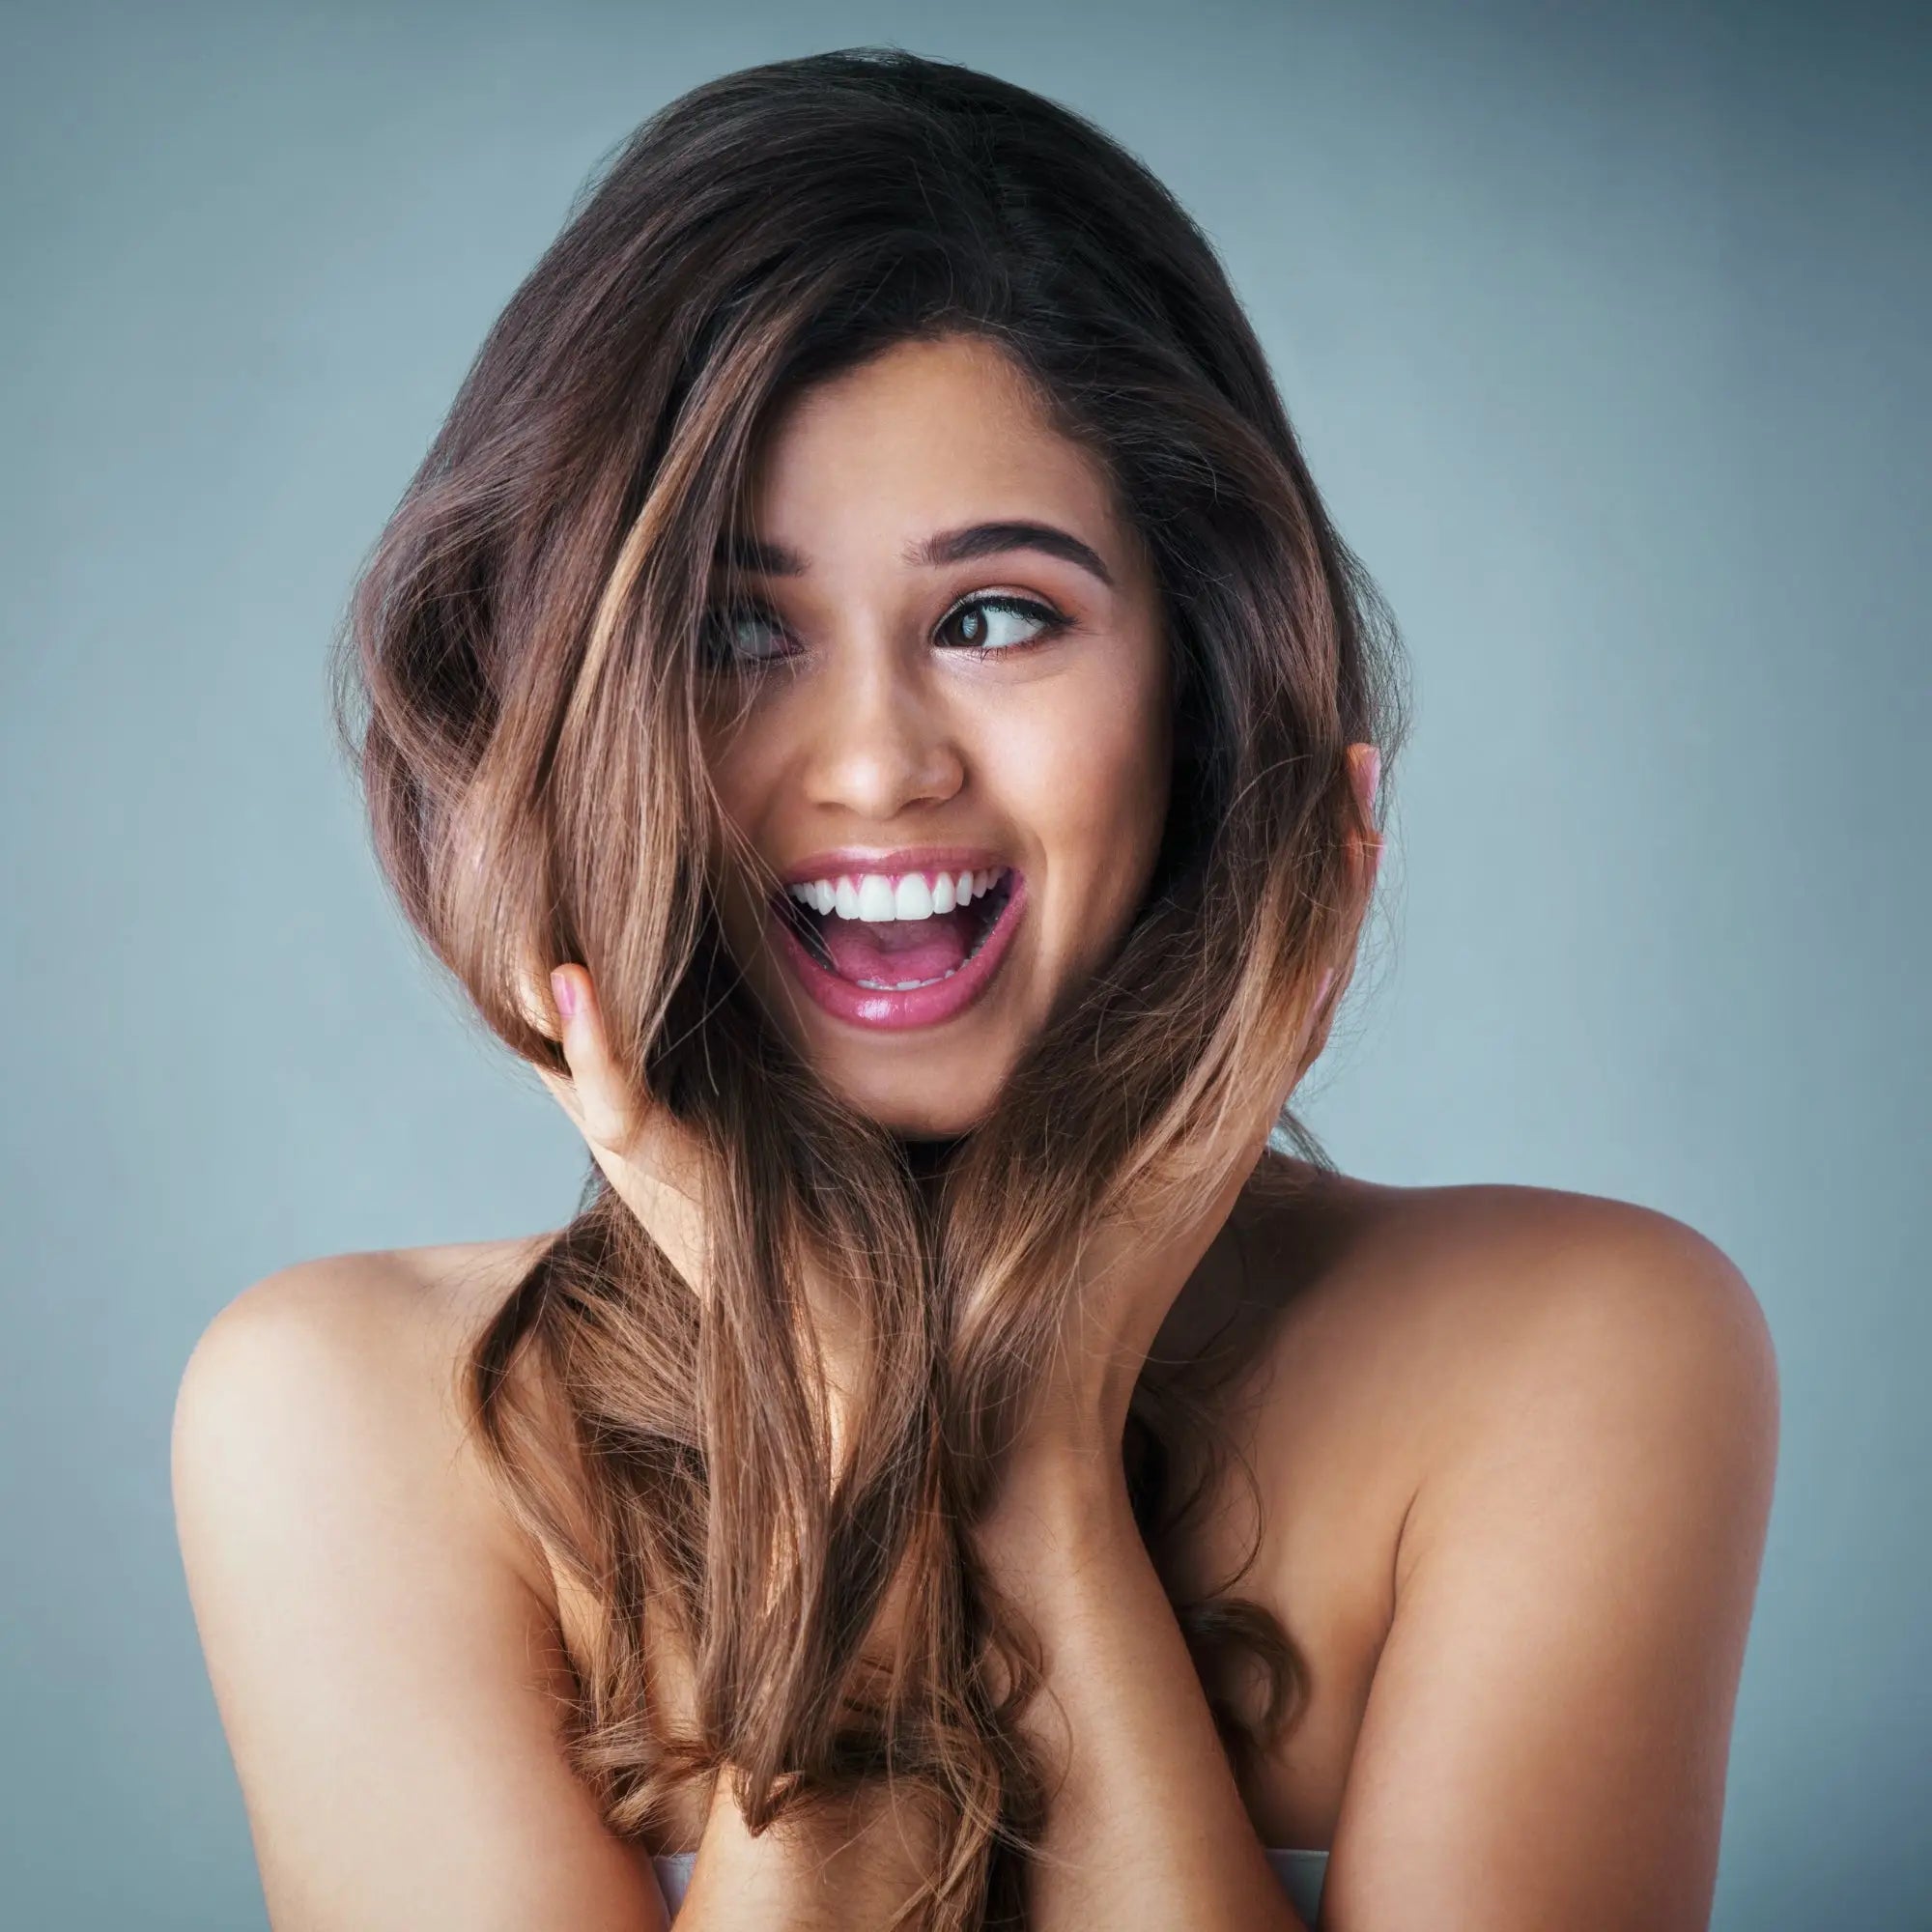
(520,683)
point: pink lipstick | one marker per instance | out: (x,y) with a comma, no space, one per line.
(890,1008)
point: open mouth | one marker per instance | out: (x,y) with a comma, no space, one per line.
(898,956)
(894,972)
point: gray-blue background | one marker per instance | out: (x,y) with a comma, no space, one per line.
(1605,330)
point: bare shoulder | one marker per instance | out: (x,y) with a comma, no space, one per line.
(1484,1394)
(383,1651)
(441,1291)
(1524,1444)
(382,1333)
(1431,1303)
(1532,1329)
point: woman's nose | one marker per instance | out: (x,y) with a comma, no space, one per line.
(881,739)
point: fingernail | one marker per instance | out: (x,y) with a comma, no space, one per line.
(563,990)
(1322,985)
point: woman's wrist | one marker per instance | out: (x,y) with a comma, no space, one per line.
(1056,1508)
(849,1860)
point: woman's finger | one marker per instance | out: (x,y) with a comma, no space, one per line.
(646,1154)
(600,1111)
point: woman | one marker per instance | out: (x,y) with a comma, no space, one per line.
(863,695)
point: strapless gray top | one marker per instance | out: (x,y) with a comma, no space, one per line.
(1300,1874)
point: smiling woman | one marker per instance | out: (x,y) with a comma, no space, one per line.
(968,647)
(866,698)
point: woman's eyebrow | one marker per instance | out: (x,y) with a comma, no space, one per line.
(757,558)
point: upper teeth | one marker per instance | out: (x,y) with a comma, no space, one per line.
(873,896)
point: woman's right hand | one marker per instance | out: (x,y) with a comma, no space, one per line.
(655,1166)
(650,1158)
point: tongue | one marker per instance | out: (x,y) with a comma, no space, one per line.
(893,949)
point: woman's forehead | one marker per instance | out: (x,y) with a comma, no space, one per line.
(902,463)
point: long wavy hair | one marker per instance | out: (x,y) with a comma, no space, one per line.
(519,681)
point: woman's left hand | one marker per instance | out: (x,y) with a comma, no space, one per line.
(1133,1272)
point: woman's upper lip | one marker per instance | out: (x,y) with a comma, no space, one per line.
(854,860)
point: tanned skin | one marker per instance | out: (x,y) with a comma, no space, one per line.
(1515,1447)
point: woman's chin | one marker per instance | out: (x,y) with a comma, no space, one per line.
(911,1121)
(913,1108)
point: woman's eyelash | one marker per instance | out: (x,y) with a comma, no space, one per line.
(719,623)
(1050,621)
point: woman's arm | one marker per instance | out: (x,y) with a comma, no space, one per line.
(845,1870)
(387,1670)
(1147,1829)
(1546,1735)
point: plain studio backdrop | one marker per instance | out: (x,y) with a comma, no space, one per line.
(1605,331)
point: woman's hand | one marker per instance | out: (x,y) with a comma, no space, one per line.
(1132,1271)
(649,1156)
(655,1166)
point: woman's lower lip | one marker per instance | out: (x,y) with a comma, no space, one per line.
(923,1005)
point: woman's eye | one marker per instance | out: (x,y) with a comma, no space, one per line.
(732,637)
(988,625)
(1003,623)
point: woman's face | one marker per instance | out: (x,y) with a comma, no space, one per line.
(948,658)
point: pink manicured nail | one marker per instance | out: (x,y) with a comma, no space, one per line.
(1322,985)
(1374,761)
(564,989)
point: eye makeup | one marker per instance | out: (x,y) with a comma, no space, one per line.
(717,652)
